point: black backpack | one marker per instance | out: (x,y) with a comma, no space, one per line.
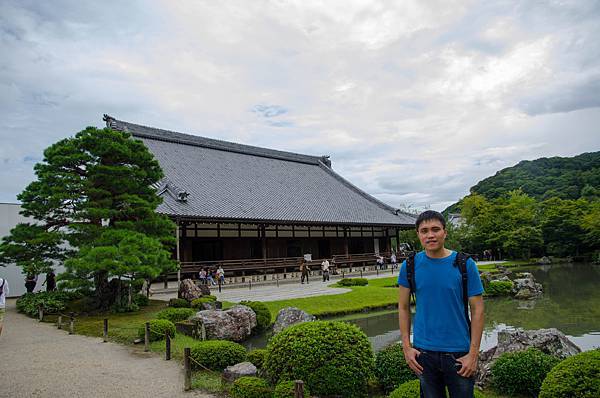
(461,262)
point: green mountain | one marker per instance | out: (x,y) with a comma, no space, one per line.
(566,178)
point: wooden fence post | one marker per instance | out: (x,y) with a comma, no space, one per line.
(147,337)
(59,325)
(187,368)
(40,313)
(105,330)
(71,323)
(167,346)
(298,389)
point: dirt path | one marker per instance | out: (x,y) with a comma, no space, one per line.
(38,360)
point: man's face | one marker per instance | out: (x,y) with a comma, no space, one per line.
(432,235)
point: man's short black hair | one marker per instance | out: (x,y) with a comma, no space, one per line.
(430,215)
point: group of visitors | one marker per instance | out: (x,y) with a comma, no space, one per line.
(31,282)
(212,276)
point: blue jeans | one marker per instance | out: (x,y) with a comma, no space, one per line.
(440,370)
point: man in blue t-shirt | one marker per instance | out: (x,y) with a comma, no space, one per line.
(443,353)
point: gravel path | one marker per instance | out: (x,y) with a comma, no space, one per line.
(38,360)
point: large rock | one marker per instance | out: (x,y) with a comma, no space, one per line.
(232,373)
(545,260)
(234,324)
(525,287)
(290,316)
(189,291)
(551,341)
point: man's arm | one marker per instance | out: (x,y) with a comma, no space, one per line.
(469,361)
(410,354)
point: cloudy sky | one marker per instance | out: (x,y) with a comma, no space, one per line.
(415,101)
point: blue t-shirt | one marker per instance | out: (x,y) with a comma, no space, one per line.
(440,324)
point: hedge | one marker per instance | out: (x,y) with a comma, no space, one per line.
(391,369)
(332,358)
(498,288)
(353,282)
(175,314)
(158,328)
(250,387)
(411,389)
(257,357)
(285,389)
(576,376)
(52,302)
(521,372)
(263,315)
(179,303)
(197,303)
(217,354)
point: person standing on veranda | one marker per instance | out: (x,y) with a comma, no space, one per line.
(445,349)
(325,270)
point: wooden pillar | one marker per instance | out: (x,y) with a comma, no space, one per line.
(263,237)
(178,254)
(346,249)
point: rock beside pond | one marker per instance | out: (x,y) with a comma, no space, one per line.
(545,261)
(189,290)
(232,373)
(551,341)
(290,316)
(525,287)
(234,324)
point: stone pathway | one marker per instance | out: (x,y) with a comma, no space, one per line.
(38,360)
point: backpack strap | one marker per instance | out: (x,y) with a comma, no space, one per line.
(410,275)
(461,263)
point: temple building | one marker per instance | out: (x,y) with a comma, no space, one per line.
(250,208)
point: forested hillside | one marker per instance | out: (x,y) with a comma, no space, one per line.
(556,177)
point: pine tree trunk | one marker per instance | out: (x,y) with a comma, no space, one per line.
(104,297)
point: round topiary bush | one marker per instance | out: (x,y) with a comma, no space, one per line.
(285,389)
(498,288)
(175,314)
(391,369)
(250,387)
(263,315)
(217,354)
(411,389)
(332,358)
(197,303)
(158,328)
(257,357)
(576,376)
(141,300)
(179,303)
(521,372)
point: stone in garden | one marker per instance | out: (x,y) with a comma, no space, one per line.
(213,305)
(189,291)
(232,373)
(205,290)
(525,287)
(545,260)
(551,341)
(234,324)
(290,316)
(502,279)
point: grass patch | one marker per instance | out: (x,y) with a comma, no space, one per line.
(207,381)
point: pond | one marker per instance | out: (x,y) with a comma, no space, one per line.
(570,303)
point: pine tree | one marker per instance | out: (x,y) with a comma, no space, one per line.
(95,191)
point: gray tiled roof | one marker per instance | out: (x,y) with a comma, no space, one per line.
(225,180)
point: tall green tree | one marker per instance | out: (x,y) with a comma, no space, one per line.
(95,192)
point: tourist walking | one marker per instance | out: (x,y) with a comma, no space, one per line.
(445,345)
(304,270)
(3,295)
(325,270)
(393,260)
(221,275)
(50,281)
(30,282)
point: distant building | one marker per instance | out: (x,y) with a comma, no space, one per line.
(455,219)
(243,206)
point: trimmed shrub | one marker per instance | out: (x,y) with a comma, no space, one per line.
(498,288)
(391,369)
(353,282)
(263,315)
(257,357)
(521,372)
(411,389)
(141,300)
(175,314)
(285,389)
(52,302)
(197,303)
(158,328)
(217,354)
(332,358)
(250,387)
(179,303)
(576,376)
